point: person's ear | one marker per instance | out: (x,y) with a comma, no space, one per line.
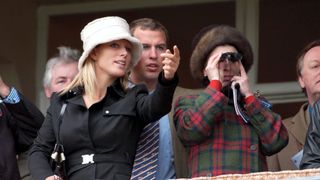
(47,92)
(94,54)
(204,73)
(301,82)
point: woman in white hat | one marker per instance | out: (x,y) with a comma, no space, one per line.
(103,118)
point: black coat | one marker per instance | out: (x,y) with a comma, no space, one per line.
(311,150)
(28,119)
(109,128)
(19,124)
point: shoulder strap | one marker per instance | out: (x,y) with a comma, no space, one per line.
(63,108)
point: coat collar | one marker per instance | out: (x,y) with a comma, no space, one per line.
(74,96)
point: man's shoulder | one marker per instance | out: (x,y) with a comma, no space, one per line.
(299,116)
(288,121)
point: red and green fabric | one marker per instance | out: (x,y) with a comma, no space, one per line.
(219,141)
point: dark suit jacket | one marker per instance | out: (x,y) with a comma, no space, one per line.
(19,124)
(8,162)
(28,120)
(311,149)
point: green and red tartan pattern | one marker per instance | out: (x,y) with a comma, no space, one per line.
(219,141)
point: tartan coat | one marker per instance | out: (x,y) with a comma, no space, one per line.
(219,141)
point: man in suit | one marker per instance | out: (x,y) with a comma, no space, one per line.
(60,70)
(297,126)
(154,38)
(307,70)
(19,124)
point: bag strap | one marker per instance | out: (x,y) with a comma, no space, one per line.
(63,109)
(58,151)
(57,154)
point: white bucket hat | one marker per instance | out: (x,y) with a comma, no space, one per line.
(105,30)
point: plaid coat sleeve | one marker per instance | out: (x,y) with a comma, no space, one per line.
(268,125)
(195,115)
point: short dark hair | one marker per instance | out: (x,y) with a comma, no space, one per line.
(149,23)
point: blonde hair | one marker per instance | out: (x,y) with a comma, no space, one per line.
(87,79)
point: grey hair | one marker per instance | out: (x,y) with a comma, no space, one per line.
(66,55)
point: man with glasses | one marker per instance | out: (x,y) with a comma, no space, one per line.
(226,127)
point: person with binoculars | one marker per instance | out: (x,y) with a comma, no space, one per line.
(227,128)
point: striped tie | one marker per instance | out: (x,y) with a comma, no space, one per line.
(146,159)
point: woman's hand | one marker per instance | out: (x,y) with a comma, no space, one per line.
(212,68)
(242,80)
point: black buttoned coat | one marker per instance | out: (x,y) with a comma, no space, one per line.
(109,129)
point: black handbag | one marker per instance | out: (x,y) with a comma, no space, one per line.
(57,156)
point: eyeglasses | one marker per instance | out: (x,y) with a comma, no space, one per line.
(230,56)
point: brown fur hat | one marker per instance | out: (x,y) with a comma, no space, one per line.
(217,36)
